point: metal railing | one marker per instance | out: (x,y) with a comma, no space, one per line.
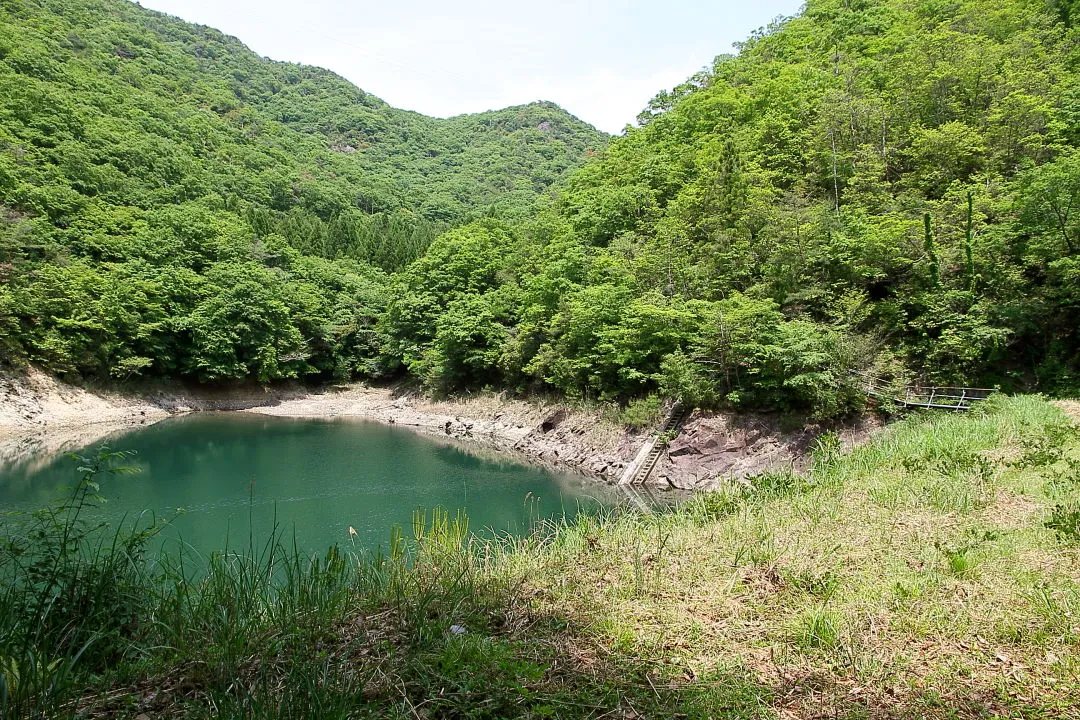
(925,396)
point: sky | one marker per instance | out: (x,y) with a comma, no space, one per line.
(600,60)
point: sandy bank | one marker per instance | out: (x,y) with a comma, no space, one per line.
(554,434)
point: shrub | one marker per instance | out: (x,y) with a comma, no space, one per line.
(642,413)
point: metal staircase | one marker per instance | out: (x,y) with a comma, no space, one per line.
(675,417)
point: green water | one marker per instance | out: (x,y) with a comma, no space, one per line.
(236,475)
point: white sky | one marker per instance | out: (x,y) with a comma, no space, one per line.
(601,60)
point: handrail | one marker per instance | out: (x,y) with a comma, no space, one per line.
(926,396)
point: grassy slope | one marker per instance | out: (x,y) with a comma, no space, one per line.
(913,577)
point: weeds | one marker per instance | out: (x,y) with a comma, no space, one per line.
(826,452)
(818,629)
(1065,522)
(882,582)
(1047,448)
(821,585)
(642,413)
(72,592)
(960,561)
(750,492)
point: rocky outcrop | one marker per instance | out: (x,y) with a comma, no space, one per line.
(711,449)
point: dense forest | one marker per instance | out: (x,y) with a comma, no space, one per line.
(887,186)
(172,204)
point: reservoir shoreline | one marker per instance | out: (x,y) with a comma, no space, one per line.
(41,416)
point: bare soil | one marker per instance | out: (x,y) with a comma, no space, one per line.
(712,448)
(1070,407)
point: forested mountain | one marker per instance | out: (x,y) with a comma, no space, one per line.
(889,186)
(169,201)
(877,185)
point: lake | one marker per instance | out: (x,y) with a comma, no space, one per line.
(235,474)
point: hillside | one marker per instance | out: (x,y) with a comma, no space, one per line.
(878,186)
(158,163)
(882,185)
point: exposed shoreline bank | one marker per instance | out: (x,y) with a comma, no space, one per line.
(41,416)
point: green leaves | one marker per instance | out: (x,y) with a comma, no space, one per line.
(175,205)
(153,173)
(946,154)
(445,321)
(1049,207)
(845,191)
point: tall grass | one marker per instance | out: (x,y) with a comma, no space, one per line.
(73,593)
(82,603)
(840,574)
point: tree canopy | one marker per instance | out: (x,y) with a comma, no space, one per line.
(875,185)
(887,186)
(173,204)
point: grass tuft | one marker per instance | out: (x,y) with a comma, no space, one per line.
(818,629)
